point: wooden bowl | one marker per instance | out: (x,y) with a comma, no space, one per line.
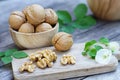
(105,9)
(33,40)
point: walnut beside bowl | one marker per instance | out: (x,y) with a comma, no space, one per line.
(34,40)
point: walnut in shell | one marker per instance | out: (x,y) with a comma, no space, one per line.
(51,16)
(43,27)
(35,14)
(62,41)
(16,19)
(26,28)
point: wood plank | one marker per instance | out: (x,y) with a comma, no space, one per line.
(6,72)
(106,76)
(110,30)
(6,41)
(84,66)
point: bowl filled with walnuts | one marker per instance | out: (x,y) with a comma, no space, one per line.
(33,27)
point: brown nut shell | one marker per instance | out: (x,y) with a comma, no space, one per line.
(35,14)
(62,41)
(51,16)
(16,19)
(43,27)
(26,28)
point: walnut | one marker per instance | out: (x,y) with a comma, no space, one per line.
(43,27)
(35,57)
(50,55)
(44,58)
(26,28)
(35,14)
(51,16)
(67,59)
(43,63)
(27,66)
(16,19)
(62,41)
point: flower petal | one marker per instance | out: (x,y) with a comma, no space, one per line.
(114,46)
(103,56)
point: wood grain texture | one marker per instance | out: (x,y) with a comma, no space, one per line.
(34,40)
(84,66)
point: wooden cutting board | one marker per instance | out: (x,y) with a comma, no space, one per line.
(84,66)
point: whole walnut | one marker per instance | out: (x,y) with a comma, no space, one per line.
(43,27)
(62,41)
(16,19)
(26,28)
(51,16)
(35,14)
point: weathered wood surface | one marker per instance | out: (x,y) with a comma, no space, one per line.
(107,29)
(84,66)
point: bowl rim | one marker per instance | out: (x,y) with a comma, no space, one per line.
(56,26)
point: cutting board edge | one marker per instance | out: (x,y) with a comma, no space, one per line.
(78,73)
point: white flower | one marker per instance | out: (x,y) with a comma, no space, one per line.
(114,46)
(103,56)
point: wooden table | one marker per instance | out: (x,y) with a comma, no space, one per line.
(110,30)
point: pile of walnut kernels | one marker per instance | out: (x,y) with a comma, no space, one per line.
(44,59)
(33,18)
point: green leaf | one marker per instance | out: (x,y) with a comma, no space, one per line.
(80,11)
(98,47)
(6,60)
(2,54)
(19,54)
(104,40)
(84,53)
(68,29)
(87,22)
(9,52)
(64,16)
(89,44)
(92,53)
(75,24)
(60,22)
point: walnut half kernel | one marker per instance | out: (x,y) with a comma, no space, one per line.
(44,58)
(27,66)
(68,59)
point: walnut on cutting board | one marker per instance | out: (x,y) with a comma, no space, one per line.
(62,41)
(27,66)
(44,58)
(44,62)
(67,59)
